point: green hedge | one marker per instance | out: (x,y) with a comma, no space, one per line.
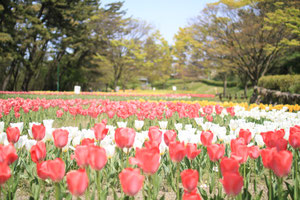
(219,83)
(283,83)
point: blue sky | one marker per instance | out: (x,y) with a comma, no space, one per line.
(166,15)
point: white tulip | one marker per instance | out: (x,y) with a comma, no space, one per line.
(3,138)
(21,142)
(199,120)
(122,124)
(163,124)
(178,126)
(1,127)
(29,144)
(138,124)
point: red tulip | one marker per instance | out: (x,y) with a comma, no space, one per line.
(8,154)
(38,132)
(191,196)
(232,183)
(124,137)
(38,152)
(272,137)
(42,170)
(218,109)
(230,110)
(87,141)
(229,165)
(206,138)
(150,143)
(241,153)
(189,179)
(56,169)
(267,156)
(294,138)
(13,134)
(208,109)
(169,136)
(192,151)
(254,152)
(281,144)
(246,134)
(97,157)
(177,151)
(131,181)
(77,181)
(53,169)
(60,137)
(215,151)
(155,134)
(209,118)
(100,131)
(17,115)
(104,121)
(147,159)
(235,143)
(59,113)
(281,162)
(4,173)
(81,155)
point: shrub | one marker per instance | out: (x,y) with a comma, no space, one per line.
(283,83)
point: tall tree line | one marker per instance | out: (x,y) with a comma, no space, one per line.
(73,42)
(249,38)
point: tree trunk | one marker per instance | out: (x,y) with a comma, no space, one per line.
(8,77)
(28,76)
(115,85)
(254,96)
(5,82)
(224,85)
(245,90)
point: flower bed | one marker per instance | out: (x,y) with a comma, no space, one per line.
(153,150)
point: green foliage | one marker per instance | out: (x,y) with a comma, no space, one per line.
(283,83)
(219,83)
(286,13)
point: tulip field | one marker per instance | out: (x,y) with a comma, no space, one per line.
(92,148)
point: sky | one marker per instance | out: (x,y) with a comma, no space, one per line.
(165,15)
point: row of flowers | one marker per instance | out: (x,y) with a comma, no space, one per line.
(122,94)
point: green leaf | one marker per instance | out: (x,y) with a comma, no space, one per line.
(290,190)
(203,193)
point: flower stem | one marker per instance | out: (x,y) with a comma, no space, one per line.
(296,174)
(60,153)
(254,180)
(57,191)
(127,158)
(280,192)
(177,181)
(99,184)
(270,185)
(219,184)
(87,193)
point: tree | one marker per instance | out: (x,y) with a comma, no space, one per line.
(121,57)
(233,36)
(35,41)
(158,60)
